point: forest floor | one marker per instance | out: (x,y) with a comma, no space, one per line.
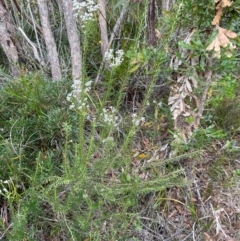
(207,208)
(145,187)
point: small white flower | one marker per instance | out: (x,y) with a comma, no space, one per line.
(85,10)
(77,96)
(137,120)
(85,195)
(72,106)
(88,83)
(110,116)
(160,104)
(115,60)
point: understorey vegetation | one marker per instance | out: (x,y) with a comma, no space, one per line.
(119,120)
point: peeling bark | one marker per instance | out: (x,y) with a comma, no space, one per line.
(73,38)
(8,40)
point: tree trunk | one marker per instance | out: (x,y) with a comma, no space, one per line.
(49,40)
(103,26)
(8,40)
(72,32)
(152,40)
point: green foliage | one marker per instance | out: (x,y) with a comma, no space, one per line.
(48,152)
(32,112)
(74,173)
(200,13)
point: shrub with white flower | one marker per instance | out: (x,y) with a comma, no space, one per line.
(85,10)
(110,116)
(77,97)
(6,188)
(114,59)
(136,120)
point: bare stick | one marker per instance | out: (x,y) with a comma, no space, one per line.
(35,51)
(35,29)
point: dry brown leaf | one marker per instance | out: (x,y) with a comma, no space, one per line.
(217,55)
(217,17)
(214,45)
(182,105)
(172,99)
(226,3)
(183,95)
(220,6)
(230,33)
(176,104)
(158,34)
(222,40)
(194,81)
(189,87)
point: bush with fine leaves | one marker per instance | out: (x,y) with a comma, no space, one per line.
(32,112)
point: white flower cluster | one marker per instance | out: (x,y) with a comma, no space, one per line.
(115,60)
(137,120)
(85,9)
(4,191)
(159,104)
(110,116)
(5,182)
(78,97)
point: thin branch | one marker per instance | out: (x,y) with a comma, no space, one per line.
(35,51)
(35,30)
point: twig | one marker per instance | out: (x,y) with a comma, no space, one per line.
(218,221)
(35,30)
(35,51)
(6,231)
